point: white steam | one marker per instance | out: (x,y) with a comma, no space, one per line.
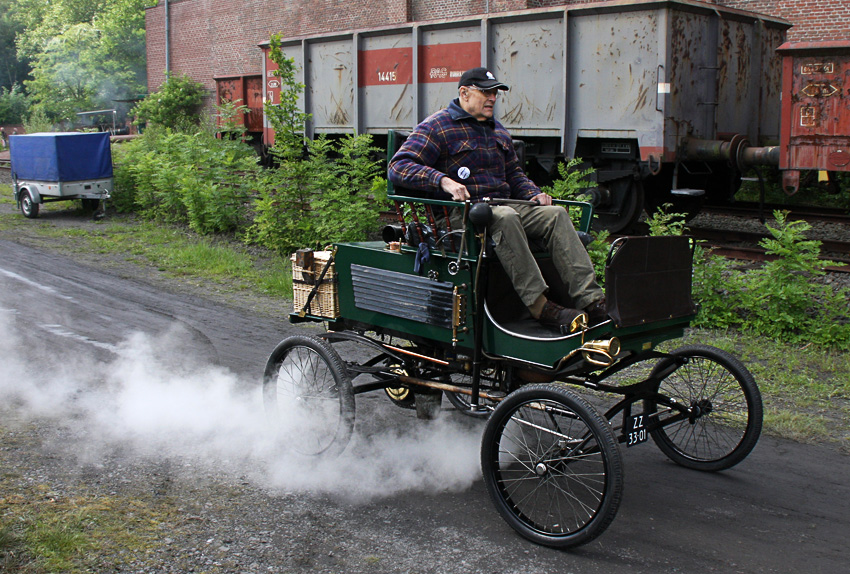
(149,403)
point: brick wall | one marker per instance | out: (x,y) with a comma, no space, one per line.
(211,38)
(814,20)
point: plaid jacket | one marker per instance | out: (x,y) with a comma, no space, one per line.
(452,143)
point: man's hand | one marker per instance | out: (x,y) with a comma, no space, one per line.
(457,190)
(542,199)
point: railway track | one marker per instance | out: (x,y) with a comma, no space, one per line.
(755,211)
(743,245)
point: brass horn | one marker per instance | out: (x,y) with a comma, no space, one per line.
(601,352)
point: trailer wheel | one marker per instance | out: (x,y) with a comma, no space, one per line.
(552,466)
(308,396)
(28,207)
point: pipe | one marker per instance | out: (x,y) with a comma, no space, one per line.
(167,40)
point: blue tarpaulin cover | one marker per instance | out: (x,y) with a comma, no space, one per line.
(61,156)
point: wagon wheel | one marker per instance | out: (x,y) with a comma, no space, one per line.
(726,418)
(552,466)
(622,209)
(308,396)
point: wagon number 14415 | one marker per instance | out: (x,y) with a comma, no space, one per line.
(636,434)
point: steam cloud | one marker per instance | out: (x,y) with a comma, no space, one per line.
(150,404)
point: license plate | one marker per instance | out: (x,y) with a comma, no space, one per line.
(636,430)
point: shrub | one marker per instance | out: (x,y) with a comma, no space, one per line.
(191,178)
(14,105)
(783,300)
(177,104)
(322,190)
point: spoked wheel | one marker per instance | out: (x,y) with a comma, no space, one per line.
(726,409)
(308,396)
(552,466)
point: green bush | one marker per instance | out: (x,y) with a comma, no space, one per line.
(321,191)
(14,105)
(191,178)
(783,300)
(177,104)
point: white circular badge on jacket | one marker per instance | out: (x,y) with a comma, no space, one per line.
(463,172)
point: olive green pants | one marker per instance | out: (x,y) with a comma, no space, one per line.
(511,228)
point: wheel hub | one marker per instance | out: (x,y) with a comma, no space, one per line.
(541,469)
(700,409)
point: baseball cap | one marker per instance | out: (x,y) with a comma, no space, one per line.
(481,78)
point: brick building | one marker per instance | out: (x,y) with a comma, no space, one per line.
(212,39)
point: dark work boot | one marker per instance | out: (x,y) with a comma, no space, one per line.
(597,312)
(562,319)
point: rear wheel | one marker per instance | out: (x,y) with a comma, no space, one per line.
(308,396)
(28,207)
(552,466)
(725,405)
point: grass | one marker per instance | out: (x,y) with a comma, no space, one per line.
(174,251)
(41,533)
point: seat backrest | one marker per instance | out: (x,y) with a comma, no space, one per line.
(395,139)
(649,279)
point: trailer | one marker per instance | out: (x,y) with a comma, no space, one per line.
(61,166)
(669,100)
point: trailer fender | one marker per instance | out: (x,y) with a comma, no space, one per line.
(33,191)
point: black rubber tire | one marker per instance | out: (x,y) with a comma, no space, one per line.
(28,207)
(552,466)
(727,394)
(308,396)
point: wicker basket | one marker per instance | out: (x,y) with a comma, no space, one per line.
(326,301)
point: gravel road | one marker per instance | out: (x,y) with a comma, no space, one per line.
(133,395)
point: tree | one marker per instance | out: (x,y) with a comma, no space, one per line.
(85,54)
(177,104)
(13,105)
(12,70)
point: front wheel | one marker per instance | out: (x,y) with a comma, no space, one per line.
(552,466)
(28,207)
(308,396)
(724,406)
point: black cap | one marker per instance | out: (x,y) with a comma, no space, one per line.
(481,78)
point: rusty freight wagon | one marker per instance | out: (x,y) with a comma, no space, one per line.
(669,100)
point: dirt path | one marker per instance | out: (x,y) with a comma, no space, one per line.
(129,405)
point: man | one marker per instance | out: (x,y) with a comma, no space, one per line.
(462,153)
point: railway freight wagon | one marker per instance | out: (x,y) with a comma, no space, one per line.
(668,100)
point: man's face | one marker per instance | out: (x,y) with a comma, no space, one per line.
(478,102)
